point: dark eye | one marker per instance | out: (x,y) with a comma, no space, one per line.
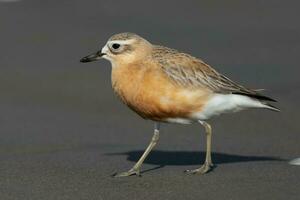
(115,46)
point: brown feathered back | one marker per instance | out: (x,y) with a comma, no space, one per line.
(188,71)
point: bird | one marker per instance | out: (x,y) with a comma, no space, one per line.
(168,86)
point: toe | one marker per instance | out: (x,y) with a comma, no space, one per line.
(128,173)
(202,170)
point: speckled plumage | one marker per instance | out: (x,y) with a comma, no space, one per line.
(165,85)
(188,71)
(146,76)
(123,36)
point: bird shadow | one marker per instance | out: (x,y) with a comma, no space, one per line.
(179,158)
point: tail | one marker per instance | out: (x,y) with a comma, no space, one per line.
(262,99)
(257,96)
(270,107)
(295,161)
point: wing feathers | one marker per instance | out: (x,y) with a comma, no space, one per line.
(188,71)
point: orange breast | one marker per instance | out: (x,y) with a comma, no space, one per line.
(148,91)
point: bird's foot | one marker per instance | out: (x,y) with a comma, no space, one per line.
(131,172)
(206,167)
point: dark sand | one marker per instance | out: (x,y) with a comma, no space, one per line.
(63,132)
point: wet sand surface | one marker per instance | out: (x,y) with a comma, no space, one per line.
(63,132)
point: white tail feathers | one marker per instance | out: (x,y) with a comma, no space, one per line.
(271,107)
(224,103)
(295,161)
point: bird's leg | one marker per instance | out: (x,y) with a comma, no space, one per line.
(135,170)
(207,166)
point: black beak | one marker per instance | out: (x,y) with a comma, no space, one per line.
(92,57)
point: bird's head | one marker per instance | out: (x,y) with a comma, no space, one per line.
(122,48)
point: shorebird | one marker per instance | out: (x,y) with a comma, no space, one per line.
(165,85)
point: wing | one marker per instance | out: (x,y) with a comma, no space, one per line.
(188,71)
